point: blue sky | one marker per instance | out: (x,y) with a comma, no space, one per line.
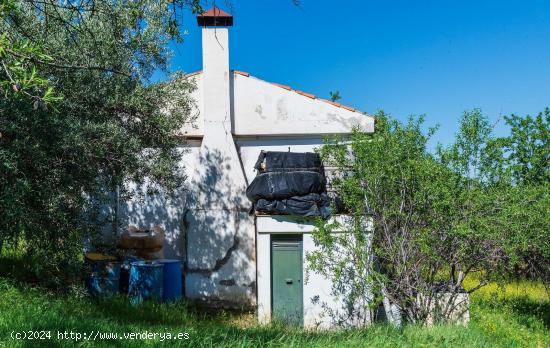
(414,57)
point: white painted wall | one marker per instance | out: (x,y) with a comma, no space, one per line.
(194,127)
(317,292)
(148,211)
(277,111)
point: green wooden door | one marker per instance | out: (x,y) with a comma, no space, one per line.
(286,279)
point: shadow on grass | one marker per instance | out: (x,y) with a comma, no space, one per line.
(152,313)
(524,307)
(17,269)
(527,307)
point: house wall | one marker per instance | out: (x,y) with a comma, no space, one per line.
(213,232)
(278,111)
(205,226)
(146,211)
(207,222)
(194,126)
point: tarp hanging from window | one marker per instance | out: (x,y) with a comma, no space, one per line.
(313,204)
(290,183)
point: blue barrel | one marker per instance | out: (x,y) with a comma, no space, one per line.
(172,279)
(104,278)
(145,281)
(125,266)
(108,269)
(100,286)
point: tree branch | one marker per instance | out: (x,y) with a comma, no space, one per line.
(65,66)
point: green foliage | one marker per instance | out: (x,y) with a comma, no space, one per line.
(437,217)
(21,80)
(79,118)
(528,165)
(335,96)
(6,6)
(390,175)
(528,148)
(505,187)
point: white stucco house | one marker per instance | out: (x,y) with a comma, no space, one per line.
(231,256)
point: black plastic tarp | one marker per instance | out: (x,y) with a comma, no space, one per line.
(282,185)
(312,204)
(276,161)
(290,183)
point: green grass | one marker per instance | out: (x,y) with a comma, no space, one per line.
(517,316)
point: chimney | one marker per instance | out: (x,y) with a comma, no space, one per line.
(215,62)
(220,180)
(215,18)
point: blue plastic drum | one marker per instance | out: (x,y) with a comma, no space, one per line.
(99,286)
(172,280)
(145,282)
(125,272)
(104,278)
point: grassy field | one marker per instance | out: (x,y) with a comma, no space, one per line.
(517,316)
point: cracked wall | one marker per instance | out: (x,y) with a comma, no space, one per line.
(220,233)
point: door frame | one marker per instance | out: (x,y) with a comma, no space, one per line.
(295,237)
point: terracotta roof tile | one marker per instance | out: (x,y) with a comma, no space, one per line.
(244,73)
(348,108)
(282,86)
(193,73)
(331,102)
(215,12)
(312,96)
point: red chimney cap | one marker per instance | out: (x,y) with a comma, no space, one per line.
(215,18)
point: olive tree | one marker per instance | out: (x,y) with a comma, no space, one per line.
(80,117)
